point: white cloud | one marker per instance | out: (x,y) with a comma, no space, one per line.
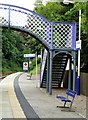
(22,3)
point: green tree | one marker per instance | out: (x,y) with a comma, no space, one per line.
(56,11)
(53,11)
(37,3)
(12,47)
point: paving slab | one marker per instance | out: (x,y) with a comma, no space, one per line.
(9,105)
(43,104)
(35,102)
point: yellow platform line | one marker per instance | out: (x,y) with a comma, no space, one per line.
(15,105)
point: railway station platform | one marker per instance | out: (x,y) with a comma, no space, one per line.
(22,98)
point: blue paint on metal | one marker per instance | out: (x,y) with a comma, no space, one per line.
(53,35)
(78,85)
(64,23)
(51,46)
(68,53)
(9,18)
(26,10)
(77,48)
(74,36)
(29,32)
(50,34)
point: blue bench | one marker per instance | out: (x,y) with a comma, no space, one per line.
(70,98)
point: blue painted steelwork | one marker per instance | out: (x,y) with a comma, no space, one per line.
(63,35)
(9,18)
(78,85)
(25,20)
(53,35)
(74,36)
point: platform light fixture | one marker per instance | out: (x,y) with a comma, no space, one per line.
(68,1)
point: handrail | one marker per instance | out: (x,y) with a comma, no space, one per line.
(43,65)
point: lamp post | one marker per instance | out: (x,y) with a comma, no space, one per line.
(36,71)
(78,77)
(68,1)
(78,74)
(29,59)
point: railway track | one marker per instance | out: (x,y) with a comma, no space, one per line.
(2,76)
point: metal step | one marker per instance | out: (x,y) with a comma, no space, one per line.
(58,69)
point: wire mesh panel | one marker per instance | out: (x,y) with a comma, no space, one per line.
(63,35)
(22,18)
(4,16)
(51,34)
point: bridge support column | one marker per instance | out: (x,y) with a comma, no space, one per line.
(74,70)
(48,64)
(69,76)
(50,72)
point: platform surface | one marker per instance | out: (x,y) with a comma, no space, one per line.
(22,98)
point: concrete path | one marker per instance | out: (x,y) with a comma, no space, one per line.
(22,98)
(9,105)
(42,103)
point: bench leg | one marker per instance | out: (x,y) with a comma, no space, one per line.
(63,106)
(69,110)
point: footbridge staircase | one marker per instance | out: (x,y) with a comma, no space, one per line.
(59,39)
(58,69)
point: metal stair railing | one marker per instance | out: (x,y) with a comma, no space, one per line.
(43,65)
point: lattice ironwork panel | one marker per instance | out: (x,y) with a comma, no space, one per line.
(25,19)
(52,34)
(62,35)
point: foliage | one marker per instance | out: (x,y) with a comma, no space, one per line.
(53,11)
(33,45)
(14,46)
(37,3)
(57,11)
(11,51)
(33,71)
(33,65)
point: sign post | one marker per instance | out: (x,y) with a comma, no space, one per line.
(36,72)
(78,77)
(29,56)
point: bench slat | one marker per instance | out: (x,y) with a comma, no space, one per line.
(63,98)
(74,92)
(70,94)
(66,99)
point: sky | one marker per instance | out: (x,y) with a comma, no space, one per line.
(29,4)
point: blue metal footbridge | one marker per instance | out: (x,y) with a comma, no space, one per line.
(59,39)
